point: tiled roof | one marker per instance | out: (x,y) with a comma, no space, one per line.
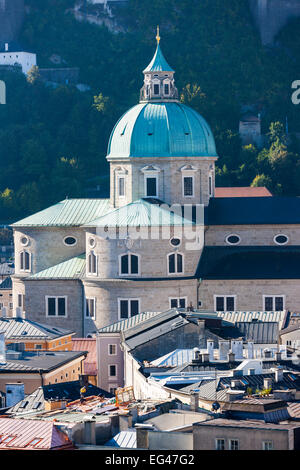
(250,262)
(141,213)
(87,344)
(70,212)
(242,192)
(69,391)
(253,210)
(19,328)
(73,268)
(123,325)
(24,432)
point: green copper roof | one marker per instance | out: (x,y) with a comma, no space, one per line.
(73,268)
(158,63)
(70,212)
(140,213)
(166,129)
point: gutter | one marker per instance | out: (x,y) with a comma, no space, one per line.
(198,286)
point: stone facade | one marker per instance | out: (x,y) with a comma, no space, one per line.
(249,293)
(169,173)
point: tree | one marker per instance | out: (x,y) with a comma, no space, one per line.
(33,75)
(262,180)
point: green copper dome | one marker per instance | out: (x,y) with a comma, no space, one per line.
(166,129)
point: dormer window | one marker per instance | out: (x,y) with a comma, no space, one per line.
(166,89)
(151,180)
(156,89)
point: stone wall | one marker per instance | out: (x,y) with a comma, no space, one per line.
(169,179)
(272,15)
(12,14)
(47,247)
(256,235)
(249,293)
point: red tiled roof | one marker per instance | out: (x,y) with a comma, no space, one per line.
(87,344)
(31,435)
(259,191)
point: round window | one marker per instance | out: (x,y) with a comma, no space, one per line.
(175,241)
(24,241)
(233,239)
(281,239)
(92,242)
(70,241)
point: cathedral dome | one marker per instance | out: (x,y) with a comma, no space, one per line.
(161,129)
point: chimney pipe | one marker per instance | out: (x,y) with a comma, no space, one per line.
(19,313)
(90,432)
(278,374)
(210,349)
(3,312)
(250,350)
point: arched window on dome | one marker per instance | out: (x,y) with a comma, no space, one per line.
(92,264)
(25,261)
(175,263)
(129,264)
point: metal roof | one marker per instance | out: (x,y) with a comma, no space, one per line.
(158,130)
(140,213)
(42,361)
(247,424)
(253,210)
(158,63)
(70,212)
(125,440)
(73,268)
(69,391)
(6,269)
(175,358)
(20,328)
(24,432)
(250,262)
(127,323)
(239,317)
(6,284)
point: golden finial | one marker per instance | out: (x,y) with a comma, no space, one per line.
(158,36)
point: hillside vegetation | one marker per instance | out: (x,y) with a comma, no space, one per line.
(53,141)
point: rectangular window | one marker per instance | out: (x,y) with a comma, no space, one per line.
(56,306)
(112,370)
(92,263)
(178,303)
(156,89)
(121,187)
(128,308)
(210,185)
(233,444)
(25,261)
(225,303)
(273,303)
(151,186)
(267,445)
(188,186)
(112,349)
(166,89)
(90,308)
(220,444)
(112,390)
(20,299)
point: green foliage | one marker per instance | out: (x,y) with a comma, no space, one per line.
(53,141)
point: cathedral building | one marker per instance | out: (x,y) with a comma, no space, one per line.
(162,240)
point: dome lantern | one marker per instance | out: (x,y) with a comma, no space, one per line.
(159,83)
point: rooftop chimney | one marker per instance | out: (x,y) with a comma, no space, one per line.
(231,357)
(3,312)
(90,432)
(210,349)
(237,348)
(278,374)
(268,383)
(196,354)
(224,347)
(232,395)
(278,355)
(19,313)
(250,350)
